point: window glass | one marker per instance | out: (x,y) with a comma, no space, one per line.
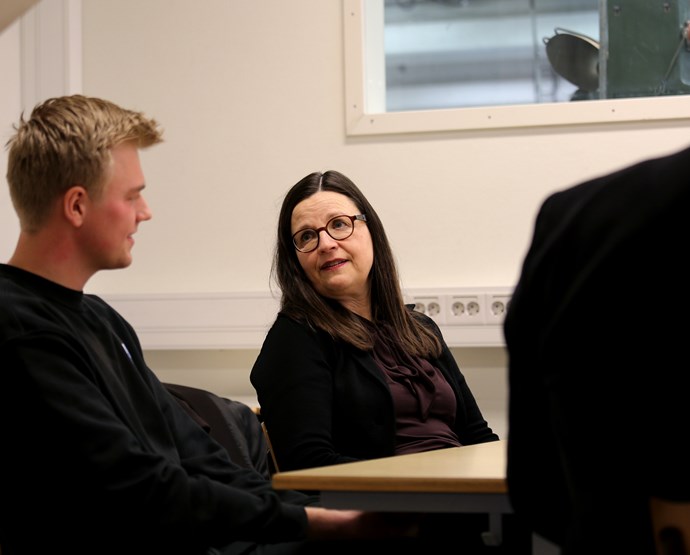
(468,53)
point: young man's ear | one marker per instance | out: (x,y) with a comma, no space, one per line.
(74,205)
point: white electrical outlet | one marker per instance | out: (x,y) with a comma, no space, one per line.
(431,306)
(497,306)
(465,310)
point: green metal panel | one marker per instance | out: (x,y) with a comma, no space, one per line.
(645,52)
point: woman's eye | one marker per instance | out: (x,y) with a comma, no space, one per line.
(306,236)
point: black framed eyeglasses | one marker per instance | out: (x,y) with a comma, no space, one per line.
(339,228)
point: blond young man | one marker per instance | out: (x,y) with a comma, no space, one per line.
(97,456)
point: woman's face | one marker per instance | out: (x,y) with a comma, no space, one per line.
(338,270)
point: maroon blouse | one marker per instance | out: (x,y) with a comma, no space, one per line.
(424,402)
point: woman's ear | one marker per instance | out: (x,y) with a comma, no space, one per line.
(74,205)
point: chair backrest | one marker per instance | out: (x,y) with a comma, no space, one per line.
(231,423)
(671,524)
(273,461)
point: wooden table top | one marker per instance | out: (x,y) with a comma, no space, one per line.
(469,469)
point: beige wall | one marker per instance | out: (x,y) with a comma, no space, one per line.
(251,94)
(252,98)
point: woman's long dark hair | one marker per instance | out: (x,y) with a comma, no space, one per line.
(300,300)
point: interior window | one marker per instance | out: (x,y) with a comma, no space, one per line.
(440,65)
(465,53)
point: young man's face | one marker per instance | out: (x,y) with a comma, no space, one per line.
(113,218)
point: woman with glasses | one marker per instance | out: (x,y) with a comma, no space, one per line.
(347,371)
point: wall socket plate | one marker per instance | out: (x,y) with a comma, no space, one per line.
(431,305)
(462,306)
(496,307)
(465,310)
